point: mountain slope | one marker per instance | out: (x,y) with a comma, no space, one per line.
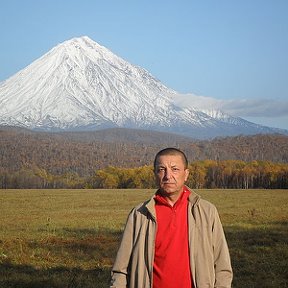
(80,85)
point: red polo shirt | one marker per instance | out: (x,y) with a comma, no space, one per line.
(171,263)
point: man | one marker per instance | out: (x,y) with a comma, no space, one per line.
(175,239)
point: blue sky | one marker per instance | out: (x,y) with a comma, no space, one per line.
(235,53)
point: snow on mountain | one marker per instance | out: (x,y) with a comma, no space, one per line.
(81,85)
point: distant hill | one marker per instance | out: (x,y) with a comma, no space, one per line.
(85,152)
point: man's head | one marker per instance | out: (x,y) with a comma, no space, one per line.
(171,151)
(171,171)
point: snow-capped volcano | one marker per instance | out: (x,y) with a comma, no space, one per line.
(80,85)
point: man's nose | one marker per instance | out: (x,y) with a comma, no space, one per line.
(167,174)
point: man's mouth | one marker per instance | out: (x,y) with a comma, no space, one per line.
(168,183)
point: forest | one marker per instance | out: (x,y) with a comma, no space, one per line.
(122,158)
(226,174)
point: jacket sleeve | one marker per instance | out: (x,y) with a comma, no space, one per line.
(120,270)
(222,263)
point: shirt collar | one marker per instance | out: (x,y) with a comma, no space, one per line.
(161,200)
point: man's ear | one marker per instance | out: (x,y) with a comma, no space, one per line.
(186,174)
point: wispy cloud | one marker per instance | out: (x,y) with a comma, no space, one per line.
(236,107)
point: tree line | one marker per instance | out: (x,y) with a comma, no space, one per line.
(83,153)
(120,159)
(224,174)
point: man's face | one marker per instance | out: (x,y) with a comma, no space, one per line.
(170,174)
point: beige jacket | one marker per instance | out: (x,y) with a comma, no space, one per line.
(209,255)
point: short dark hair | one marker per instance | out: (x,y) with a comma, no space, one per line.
(171,151)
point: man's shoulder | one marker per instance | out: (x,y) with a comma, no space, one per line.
(197,200)
(206,204)
(144,208)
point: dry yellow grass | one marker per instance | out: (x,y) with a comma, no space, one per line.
(51,237)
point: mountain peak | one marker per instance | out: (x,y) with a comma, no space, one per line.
(80,85)
(82,46)
(82,41)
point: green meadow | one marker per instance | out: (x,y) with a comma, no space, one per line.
(69,238)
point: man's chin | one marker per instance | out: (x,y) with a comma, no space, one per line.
(168,188)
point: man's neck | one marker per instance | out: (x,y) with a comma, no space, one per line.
(172,198)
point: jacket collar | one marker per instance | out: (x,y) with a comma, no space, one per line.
(150,204)
(194,197)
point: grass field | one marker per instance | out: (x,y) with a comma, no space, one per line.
(69,238)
